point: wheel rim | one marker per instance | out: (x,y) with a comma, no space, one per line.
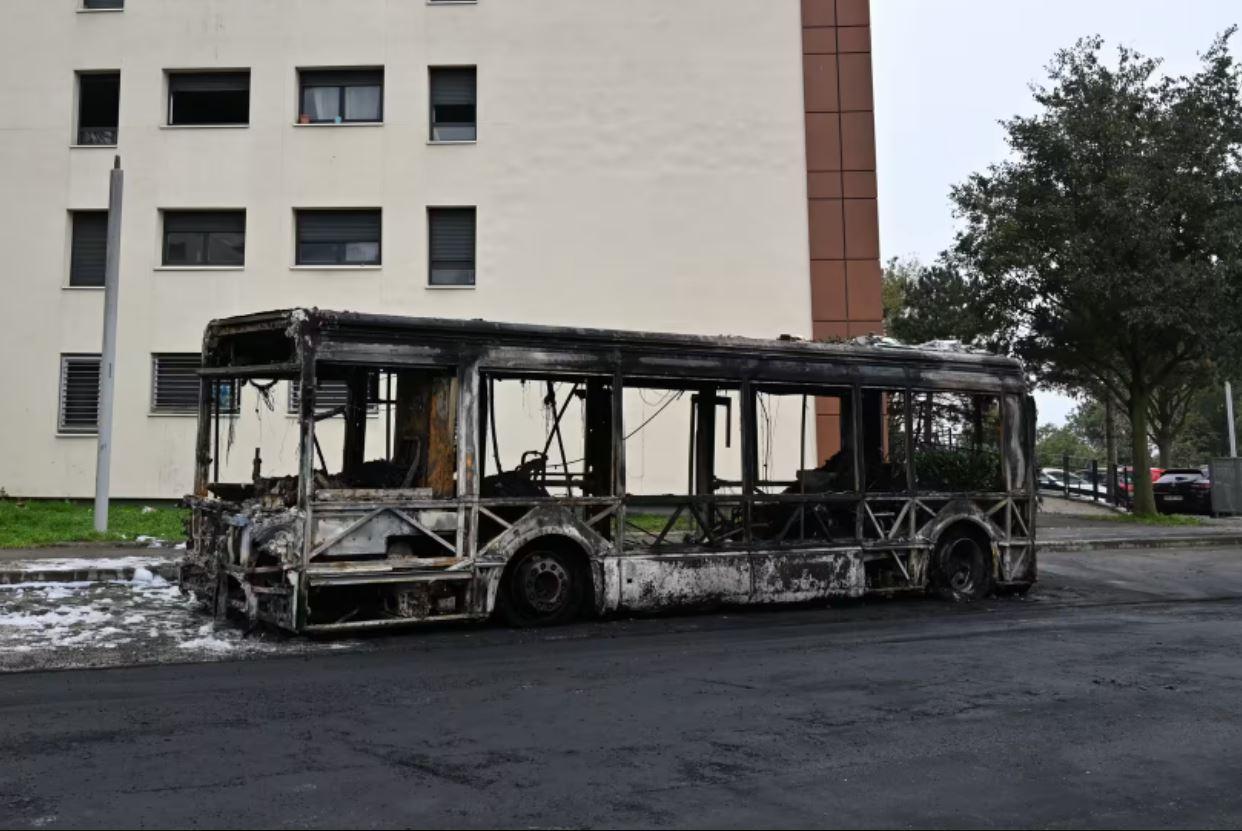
(545,584)
(960,563)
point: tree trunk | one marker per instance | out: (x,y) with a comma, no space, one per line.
(1144,500)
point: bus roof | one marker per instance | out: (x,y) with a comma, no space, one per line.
(327,329)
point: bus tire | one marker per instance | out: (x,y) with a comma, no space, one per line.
(543,585)
(962,567)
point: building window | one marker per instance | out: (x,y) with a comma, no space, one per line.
(209,98)
(88,248)
(451,243)
(453,95)
(338,237)
(99,103)
(103,5)
(79,394)
(204,238)
(330,395)
(341,96)
(175,382)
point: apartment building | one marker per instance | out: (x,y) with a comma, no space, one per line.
(698,166)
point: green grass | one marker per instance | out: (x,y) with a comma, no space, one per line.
(655,522)
(34,523)
(1154,519)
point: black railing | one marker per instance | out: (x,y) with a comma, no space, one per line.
(1087,479)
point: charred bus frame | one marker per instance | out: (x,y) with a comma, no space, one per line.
(429,534)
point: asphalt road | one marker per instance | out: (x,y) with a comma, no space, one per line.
(1110,698)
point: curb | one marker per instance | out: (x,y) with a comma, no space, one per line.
(11,577)
(1115,543)
(86,545)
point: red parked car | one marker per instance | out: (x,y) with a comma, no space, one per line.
(1125,482)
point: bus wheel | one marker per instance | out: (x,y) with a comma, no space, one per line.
(962,568)
(542,587)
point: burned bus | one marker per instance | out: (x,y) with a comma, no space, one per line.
(426,470)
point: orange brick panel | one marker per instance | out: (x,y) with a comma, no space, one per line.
(857,141)
(819,41)
(866,289)
(827,438)
(862,229)
(853,13)
(858,184)
(827,233)
(830,329)
(855,72)
(824,185)
(820,83)
(857,328)
(827,405)
(823,141)
(819,13)
(828,299)
(853,39)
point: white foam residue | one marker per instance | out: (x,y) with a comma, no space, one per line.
(211,644)
(145,575)
(56,618)
(59,624)
(84,563)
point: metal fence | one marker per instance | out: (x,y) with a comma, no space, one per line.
(1087,479)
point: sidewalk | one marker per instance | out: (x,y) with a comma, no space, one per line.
(85,563)
(1064,532)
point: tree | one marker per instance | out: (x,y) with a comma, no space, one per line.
(1172,404)
(1205,434)
(1088,420)
(925,303)
(1053,444)
(898,275)
(1108,244)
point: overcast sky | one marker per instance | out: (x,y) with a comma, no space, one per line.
(947,70)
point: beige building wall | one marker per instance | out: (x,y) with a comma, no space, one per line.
(639,165)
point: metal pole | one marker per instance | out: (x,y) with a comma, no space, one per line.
(1233,431)
(107,358)
(1110,447)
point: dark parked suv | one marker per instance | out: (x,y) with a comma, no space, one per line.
(1184,491)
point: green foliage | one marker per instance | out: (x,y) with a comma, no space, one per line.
(1153,519)
(1197,432)
(33,523)
(957,469)
(1087,422)
(1205,434)
(1108,247)
(898,275)
(1053,444)
(655,522)
(926,303)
